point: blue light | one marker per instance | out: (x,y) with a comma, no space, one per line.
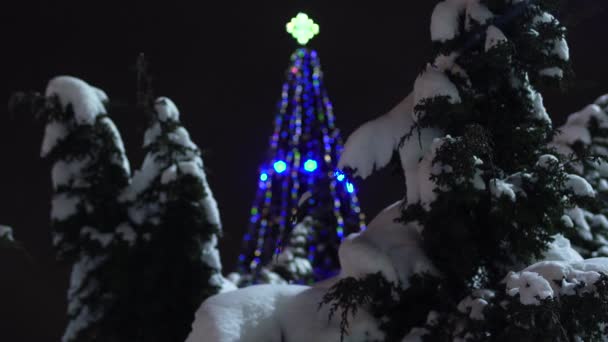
(310,165)
(280,166)
(339,175)
(350,187)
(264,177)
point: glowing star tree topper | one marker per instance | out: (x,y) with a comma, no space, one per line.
(302,28)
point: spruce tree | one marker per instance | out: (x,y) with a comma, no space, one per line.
(172,207)
(89,171)
(486,193)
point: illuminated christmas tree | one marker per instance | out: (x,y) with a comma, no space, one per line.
(301,161)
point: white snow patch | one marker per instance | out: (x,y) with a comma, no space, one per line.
(500,188)
(579,186)
(530,286)
(549,279)
(166,109)
(127,233)
(54,132)
(494,37)
(446,19)
(389,247)
(210,254)
(86,101)
(577,215)
(432,83)
(602,101)
(415,148)
(275,313)
(372,145)
(169,175)
(80,289)
(477,12)
(561,250)
(152,134)
(68,173)
(181,137)
(552,72)
(63,206)
(416,334)
(561,49)
(104,239)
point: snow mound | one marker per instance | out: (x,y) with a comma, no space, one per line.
(386,246)
(274,313)
(372,145)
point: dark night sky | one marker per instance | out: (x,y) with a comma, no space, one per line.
(223,65)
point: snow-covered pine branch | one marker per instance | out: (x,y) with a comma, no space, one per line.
(584,140)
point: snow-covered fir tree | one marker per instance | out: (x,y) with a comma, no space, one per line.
(143,249)
(485,192)
(477,249)
(89,171)
(174,212)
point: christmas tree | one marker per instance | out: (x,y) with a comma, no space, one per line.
(143,249)
(302,160)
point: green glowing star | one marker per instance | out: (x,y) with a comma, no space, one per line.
(302,28)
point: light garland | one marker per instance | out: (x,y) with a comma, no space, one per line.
(303,156)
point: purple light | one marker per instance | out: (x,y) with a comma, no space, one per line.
(280,166)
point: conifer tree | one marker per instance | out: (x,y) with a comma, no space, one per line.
(486,193)
(89,171)
(172,207)
(143,249)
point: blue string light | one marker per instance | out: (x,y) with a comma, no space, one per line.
(339,175)
(264,177)
(310,165)
(280,166)
(350,187)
